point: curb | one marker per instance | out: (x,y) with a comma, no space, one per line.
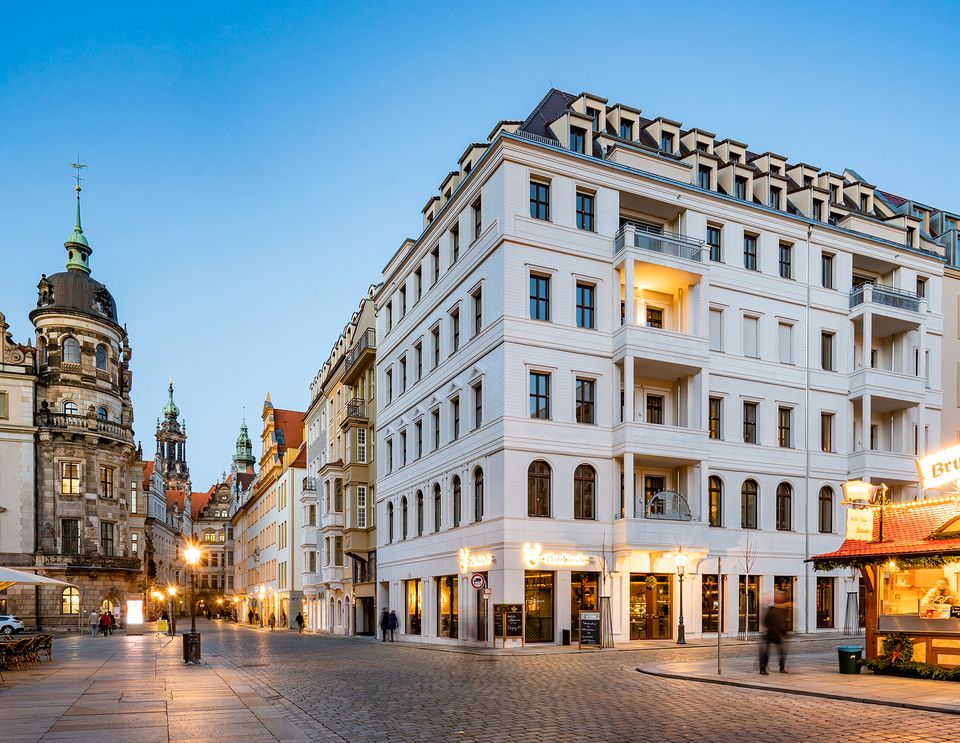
(800,692)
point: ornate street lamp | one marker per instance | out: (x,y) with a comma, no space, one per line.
(192,556)
(171,592)
(680,560)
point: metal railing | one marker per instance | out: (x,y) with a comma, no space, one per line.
(309,483)
(356,408)
(367,339)
(640,236)
(83,423)
(889,296)
(537,138)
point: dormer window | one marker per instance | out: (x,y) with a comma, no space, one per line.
(594,114)
(626,130)
(818,210)
(578,139)
(703,147)
(774,198)
(666,142)
(807,181)
(834,193)
(740,187)
(864,203)
(703,176)
(777,170)
(734,157)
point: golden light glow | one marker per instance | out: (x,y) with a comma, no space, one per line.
(533,555)
(940,467)
(172,590)
(474,561)
(680,559)
(192,555)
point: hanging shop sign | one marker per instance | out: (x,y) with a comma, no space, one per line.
(534,556)
(470,561)
(860,524)
(858,492)
(940,467)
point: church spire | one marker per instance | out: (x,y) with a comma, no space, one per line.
(78,249)
(243,458)
(170,410)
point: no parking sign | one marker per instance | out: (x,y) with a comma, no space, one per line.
(478,581)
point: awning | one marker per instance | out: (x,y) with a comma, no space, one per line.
(10,577)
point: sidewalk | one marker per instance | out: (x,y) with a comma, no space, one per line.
(138,689)
(816,675)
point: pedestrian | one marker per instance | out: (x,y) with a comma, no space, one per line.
(104,623)
(272,621)
(384,625)
(250,617)
(393,624)
(94,620)
(775,626)
(299,620)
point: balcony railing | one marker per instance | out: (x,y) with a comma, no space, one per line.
(537,138)
(900,299)
(310,483)
(640,236)
(356,408)
(368,339)
(70,422)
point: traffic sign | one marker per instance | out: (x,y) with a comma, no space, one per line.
(478,581)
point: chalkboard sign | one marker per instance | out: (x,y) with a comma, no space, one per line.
(955,612)
(514,616)
(590,629)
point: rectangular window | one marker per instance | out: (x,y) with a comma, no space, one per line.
(435,416)
(389,316)
(134,543)
(826,271)
(539,395)
(403,450)
(106,482)
(389,443)
(713,240)
(921,292)
(388,382)
(786,260)
(818,210)
(716,418)
(785,342)
(106,538)
(716,330)
(666,142)
(69,478)
(585,305)
(418,433)
(435,256)
(478,405)
(4,406)
(418,284)
(826,351)
(655,409)
(578,138)
(435,337)
(749,423)
(455,243)
(455,415)
(826,432)
(773,201)
(70,536)
(784,426)
(585,215)
(539,297)
(626,130)
(403,301)
(362,445)
(455,330)
(361,506)
(750,252)
(825,614)
(418,360)
(654,317)
(539,200)
(585,389)
(477,311)
(750,333)
(403,374)
(338,551)
(740,187)
(703,176)
(477,210)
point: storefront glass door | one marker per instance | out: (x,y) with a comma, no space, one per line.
(447,606)
(482,613)
(783,595)
(414,607)
(825,617)
(583,597)
(538,606)
(710,603)
(651,606)
(749,597)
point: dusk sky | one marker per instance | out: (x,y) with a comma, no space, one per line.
(251,168)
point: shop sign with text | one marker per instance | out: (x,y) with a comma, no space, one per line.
(470,561)
(534,556)
(939,468)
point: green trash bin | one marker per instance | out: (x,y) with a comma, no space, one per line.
(849,657)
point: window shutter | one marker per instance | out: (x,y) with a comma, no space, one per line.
(750,336)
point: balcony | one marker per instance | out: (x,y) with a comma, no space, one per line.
(90,562)
(358,542)
(669,445)
(883,466)
(356,408)
(310,484)
(332,573)
(633,235)
(675,354)
(364,347)
(84,424)
(886,296)
(308,535)
(889,390)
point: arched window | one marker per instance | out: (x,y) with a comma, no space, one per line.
(70,408)
(437,507)
(584,492)
(538,488)
(457,505)
(102,414)
(71,350)
(70,601)
(339,611)
(825,510)
(477,494)
(42,348)
(419,513)
(404,519)
(784,507)
(101,356)
(715,506)
(749,493)
(389,523)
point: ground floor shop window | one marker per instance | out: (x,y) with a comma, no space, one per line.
(825,616)
(538,606)
(710,604)
(783,595)
(414,606)
(482,612)
(583,597)
(651,606)
(447,607)
(749,603)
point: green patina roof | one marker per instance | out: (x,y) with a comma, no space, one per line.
(170,410)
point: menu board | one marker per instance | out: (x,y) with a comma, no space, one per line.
(513,613)
(955,612)
(590,629)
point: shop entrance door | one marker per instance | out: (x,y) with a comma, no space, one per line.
(651,606)
(538,605)
(783,594)
(366,616)
(583,597)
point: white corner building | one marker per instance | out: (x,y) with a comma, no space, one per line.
(618,341)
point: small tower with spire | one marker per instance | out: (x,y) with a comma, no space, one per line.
(172,446)
(243,459)
(78,249)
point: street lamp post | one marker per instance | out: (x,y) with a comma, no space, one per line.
(191,642)
(680,559)
(171,592)
(261,606)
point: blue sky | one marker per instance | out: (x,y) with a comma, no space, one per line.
(252,167)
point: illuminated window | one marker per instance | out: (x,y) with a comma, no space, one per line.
(70,601)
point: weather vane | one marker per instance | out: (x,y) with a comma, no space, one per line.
(78,166)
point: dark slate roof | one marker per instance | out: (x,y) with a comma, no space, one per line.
(892,199)
(76,290)
(551,108)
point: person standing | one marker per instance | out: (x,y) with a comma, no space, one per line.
(271,621)
(94,620)
(775,632)
(250,617)
(384,625)
(392,624)
(299,620)
(104,623)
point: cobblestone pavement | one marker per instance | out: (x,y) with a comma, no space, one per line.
(371,691)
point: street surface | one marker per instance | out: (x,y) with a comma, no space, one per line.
(372,691)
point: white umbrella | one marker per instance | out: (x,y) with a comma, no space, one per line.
(10,577)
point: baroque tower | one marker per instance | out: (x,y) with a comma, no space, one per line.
(172,446)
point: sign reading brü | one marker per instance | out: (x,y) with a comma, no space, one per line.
(860,524)
(939,468)
(470,561)
(534,555)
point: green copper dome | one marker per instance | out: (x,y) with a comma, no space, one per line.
(170,410)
